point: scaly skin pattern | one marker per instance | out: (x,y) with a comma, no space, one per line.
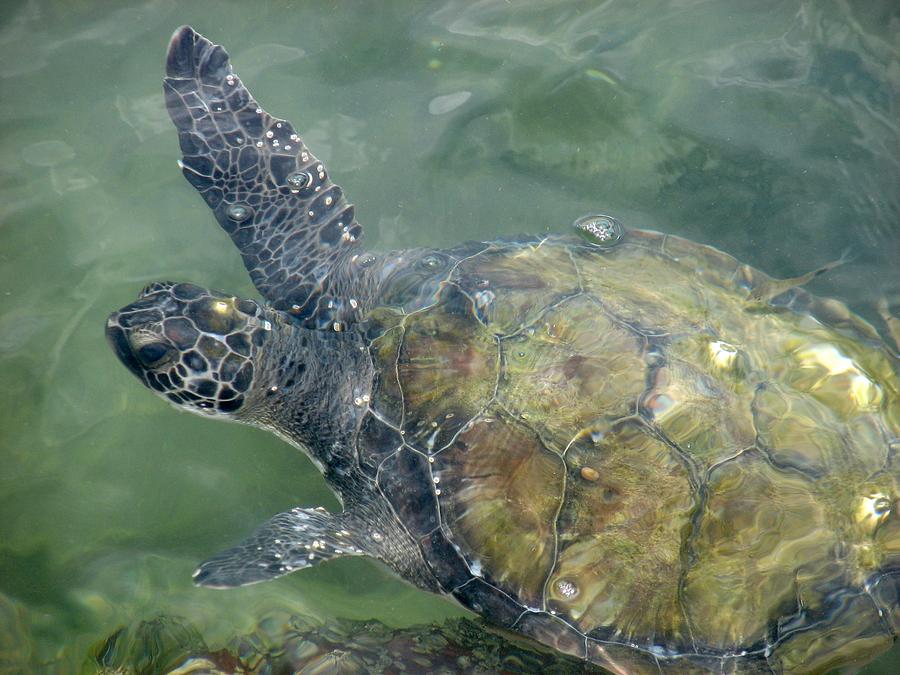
(631,448)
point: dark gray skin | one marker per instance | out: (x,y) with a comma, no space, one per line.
(296,366)
(225,357)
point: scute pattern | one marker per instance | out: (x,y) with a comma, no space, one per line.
(500,484)
(191,345)
(627,510)
(571,367)
(509,288)
(743,541)
(634,457)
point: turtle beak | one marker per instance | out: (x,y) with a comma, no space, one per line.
(120,344)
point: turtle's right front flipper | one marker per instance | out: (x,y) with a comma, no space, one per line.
(291,223)
(287,542)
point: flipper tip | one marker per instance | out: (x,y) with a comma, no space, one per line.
(204,578)
(180,55)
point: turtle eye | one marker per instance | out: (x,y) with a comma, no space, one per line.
(153,354)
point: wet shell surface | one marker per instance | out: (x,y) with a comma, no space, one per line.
(623,453)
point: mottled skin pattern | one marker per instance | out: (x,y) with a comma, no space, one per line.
(630,447)
(295,230)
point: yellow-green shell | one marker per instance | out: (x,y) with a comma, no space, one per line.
(631,455)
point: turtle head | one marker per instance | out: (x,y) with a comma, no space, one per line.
(193,346)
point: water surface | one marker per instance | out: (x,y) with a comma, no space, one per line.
(769,129)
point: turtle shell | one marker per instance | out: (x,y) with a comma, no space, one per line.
(621,453)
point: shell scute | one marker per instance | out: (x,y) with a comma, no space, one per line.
(715,266)
(572,367)
(797,431)
(829,372)
(704,416)
(500,492)
(386,395)
(757,523)
(553,631)
(850,629)
(484,598)
(444,560)
(447,367)
(621,659)
(512,285)
(643,289)
(620,536)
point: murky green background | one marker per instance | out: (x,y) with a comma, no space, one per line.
(767,128)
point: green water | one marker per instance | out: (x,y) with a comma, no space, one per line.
(769,129)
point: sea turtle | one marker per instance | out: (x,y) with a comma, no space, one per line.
(628,446)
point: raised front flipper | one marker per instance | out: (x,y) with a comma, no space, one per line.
(291,223)
(289,541)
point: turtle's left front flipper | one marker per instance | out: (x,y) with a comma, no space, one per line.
(291,223)
(289,541)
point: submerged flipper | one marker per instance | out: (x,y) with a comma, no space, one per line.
(891,321)
(770,288)
(291,223)
(289,541)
